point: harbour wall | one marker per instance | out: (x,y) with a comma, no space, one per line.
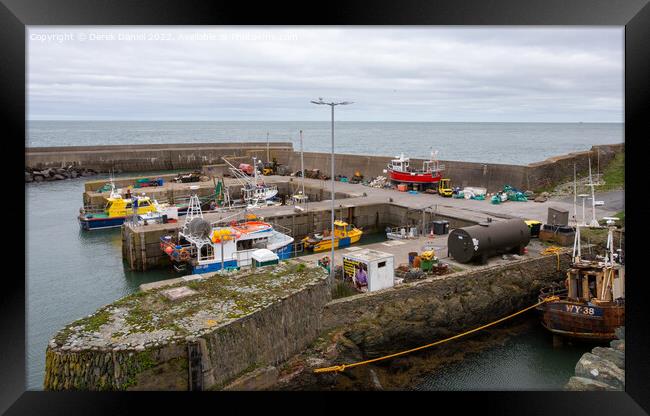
(267,336)
(416,313)
(143,158)
(492,176)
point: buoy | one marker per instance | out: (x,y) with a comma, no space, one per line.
(168,250)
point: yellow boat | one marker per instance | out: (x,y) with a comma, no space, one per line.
(115,213)
(344,235)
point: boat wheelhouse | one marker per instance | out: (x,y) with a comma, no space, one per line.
(400,170)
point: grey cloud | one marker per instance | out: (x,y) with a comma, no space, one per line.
(392,73)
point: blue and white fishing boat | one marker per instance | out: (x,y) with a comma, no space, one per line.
(202,248)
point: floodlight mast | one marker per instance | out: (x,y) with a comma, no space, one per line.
(332,105)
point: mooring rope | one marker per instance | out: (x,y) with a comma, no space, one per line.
(342,367)
(553,250)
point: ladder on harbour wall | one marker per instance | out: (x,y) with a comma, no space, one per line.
(195,367)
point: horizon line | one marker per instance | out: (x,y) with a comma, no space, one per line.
(339,121)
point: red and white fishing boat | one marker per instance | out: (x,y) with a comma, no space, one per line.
(399,170)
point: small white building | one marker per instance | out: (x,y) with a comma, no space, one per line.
(264,257)
(376,267)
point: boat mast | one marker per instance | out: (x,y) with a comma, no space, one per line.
(575,195)
(609,263)
(302,166)
(594,222)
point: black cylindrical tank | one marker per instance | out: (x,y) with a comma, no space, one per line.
(487,239)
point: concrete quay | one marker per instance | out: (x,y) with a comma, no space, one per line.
(371,209)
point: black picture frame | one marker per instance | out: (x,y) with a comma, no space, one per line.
(15,15)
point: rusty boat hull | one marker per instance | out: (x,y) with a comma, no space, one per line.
(582,320)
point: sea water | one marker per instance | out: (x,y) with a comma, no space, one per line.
(509,143)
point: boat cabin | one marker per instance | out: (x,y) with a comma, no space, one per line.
(400,164)
(595,283)
(342,229)
(120,207)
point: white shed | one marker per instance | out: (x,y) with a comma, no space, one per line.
(377,266)
(264,257)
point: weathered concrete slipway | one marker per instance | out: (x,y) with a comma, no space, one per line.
(194,156)
(270,337)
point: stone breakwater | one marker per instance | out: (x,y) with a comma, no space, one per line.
(602,368)
(56,174)
(196,334)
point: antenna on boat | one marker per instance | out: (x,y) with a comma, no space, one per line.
(583,196)
(576,245)
(611,225)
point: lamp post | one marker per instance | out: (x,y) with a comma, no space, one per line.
(332,105)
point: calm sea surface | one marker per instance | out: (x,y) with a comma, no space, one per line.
(527,361)
(71,273)
(511,143)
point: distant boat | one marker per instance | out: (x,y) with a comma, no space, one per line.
(399,170)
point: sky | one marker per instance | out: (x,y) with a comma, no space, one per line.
(438,73)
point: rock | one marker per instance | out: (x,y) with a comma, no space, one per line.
(529,194)
(618,345)
(38,178)
(545,194)
(59,177)
(611,355)
(74,174)
(399,364)
(29,177)
(541,199)
(586,384)
(620,332)
(86,173)
(594,367)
